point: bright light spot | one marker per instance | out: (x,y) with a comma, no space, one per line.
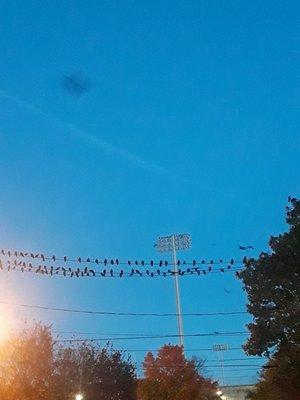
(79,396)
(219,393)
(4,328)
(223,398)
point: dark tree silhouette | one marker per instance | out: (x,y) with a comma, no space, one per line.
(272,283)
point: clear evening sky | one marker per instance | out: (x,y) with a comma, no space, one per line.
(189,125)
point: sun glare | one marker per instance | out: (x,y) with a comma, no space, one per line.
(4,327)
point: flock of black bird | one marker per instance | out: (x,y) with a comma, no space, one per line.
(39,263)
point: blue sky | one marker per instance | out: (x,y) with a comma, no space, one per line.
(190,125)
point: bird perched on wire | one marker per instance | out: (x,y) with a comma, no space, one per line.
(246,247)
(75,84)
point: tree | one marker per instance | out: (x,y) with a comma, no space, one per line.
(33,367)
(281,381)
(98,373)
(272,283)
(170,376)
(26,366)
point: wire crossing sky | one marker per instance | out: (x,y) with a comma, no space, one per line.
(122,122)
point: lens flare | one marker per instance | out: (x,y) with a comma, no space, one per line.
(4,328)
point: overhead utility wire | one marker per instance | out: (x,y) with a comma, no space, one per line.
(112,261)
(186,350)
(123,314)
(152,337)
(67,271)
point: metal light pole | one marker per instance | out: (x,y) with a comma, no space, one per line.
(172,244)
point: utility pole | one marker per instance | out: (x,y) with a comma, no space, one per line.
(172,244)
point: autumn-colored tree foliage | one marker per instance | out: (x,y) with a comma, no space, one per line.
(33,367)
(26,366)
(170,376)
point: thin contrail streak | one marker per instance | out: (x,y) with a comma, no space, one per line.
(92,140)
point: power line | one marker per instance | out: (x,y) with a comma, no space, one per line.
(123,314)
(113,261)
(152,337)
(140,334)
(233,359)
(251,366)
(186,350)
(135,272)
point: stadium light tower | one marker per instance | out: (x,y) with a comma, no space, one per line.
(172,244)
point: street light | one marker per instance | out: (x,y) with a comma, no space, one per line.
(172,244)
(78,396)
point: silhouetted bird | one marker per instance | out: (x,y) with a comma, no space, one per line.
(75,85)
(246,247)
